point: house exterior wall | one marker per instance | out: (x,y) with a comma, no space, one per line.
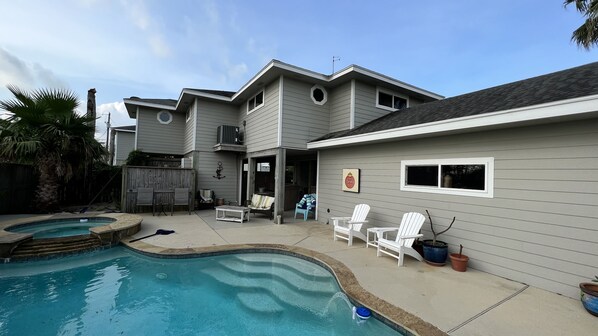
(210,115)
(339,99)
(261,129)
(190,128)
(124,143)
(154,137)
(540,227)
(302,119)
(365,104)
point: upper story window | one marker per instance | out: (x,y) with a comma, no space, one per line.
(164,117)
(319,95)
(255,102)
(390,101)
(188,115)
(465,177)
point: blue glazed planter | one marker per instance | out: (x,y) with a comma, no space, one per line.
(435,254)
(589,297)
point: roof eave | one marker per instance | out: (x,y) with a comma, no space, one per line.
(565,108)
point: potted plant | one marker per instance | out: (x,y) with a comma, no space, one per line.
(589,296)
(459,260)
(436,251)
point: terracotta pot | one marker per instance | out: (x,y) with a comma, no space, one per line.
(589,297)
(459,262)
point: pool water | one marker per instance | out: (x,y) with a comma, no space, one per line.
(120,292)
(60,228)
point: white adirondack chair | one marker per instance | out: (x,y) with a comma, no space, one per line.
(348,227)
(409,229)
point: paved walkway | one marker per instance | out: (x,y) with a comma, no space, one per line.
(469,303)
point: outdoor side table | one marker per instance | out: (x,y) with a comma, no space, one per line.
(374,231)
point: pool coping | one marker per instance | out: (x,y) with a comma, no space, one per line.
(395,317)
(123,226)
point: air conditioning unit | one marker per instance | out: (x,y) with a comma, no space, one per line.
(187,162)
(228,135)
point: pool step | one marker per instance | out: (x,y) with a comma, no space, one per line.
(260,303)
(268,289)
(41,248)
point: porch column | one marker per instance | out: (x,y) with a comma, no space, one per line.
(279,181)
(250,178)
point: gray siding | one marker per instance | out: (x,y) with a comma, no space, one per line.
(124,143)
(365,104)
(210,115)
(540,228)
(261,130)
(340,107)
(190,129)
(154,137)
(206,163)
(302,119)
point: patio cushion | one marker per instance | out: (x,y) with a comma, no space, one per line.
(255,200)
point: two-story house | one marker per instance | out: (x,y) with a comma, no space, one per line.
(257,137)
(516,164)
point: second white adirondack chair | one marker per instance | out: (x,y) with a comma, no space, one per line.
(348,227)
(407,232)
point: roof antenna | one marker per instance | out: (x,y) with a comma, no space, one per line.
(335,59)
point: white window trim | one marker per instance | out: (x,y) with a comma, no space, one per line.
(189,114)
(311,94)
(164,122)
(263,91)
(388,92)
(489,176)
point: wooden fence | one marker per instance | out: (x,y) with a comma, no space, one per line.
(162,179)
(17,188)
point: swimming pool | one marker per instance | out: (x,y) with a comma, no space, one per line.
(55,228)
(118,291)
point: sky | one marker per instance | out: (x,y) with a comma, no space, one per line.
(155,48)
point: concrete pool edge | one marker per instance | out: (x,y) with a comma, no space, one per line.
(394,316)
(123,225)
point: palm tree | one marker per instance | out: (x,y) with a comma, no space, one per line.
(44,129)
(587,34)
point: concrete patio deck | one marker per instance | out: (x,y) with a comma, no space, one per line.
(469,303)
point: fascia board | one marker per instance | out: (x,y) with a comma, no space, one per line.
(145,104)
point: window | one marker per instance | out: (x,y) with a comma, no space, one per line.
(164,117)
(319,95)
(255,102)
(263,167)
(465,177)
(390,101)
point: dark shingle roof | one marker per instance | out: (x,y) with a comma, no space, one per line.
(216,92)
(168,102)
(567,84)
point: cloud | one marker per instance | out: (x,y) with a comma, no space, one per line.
(16,71)
(159,46)
(145,22)
(118,117)
(138,13)
(237,70)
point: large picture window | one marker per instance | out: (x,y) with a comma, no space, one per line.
(255,102)
(465,177)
